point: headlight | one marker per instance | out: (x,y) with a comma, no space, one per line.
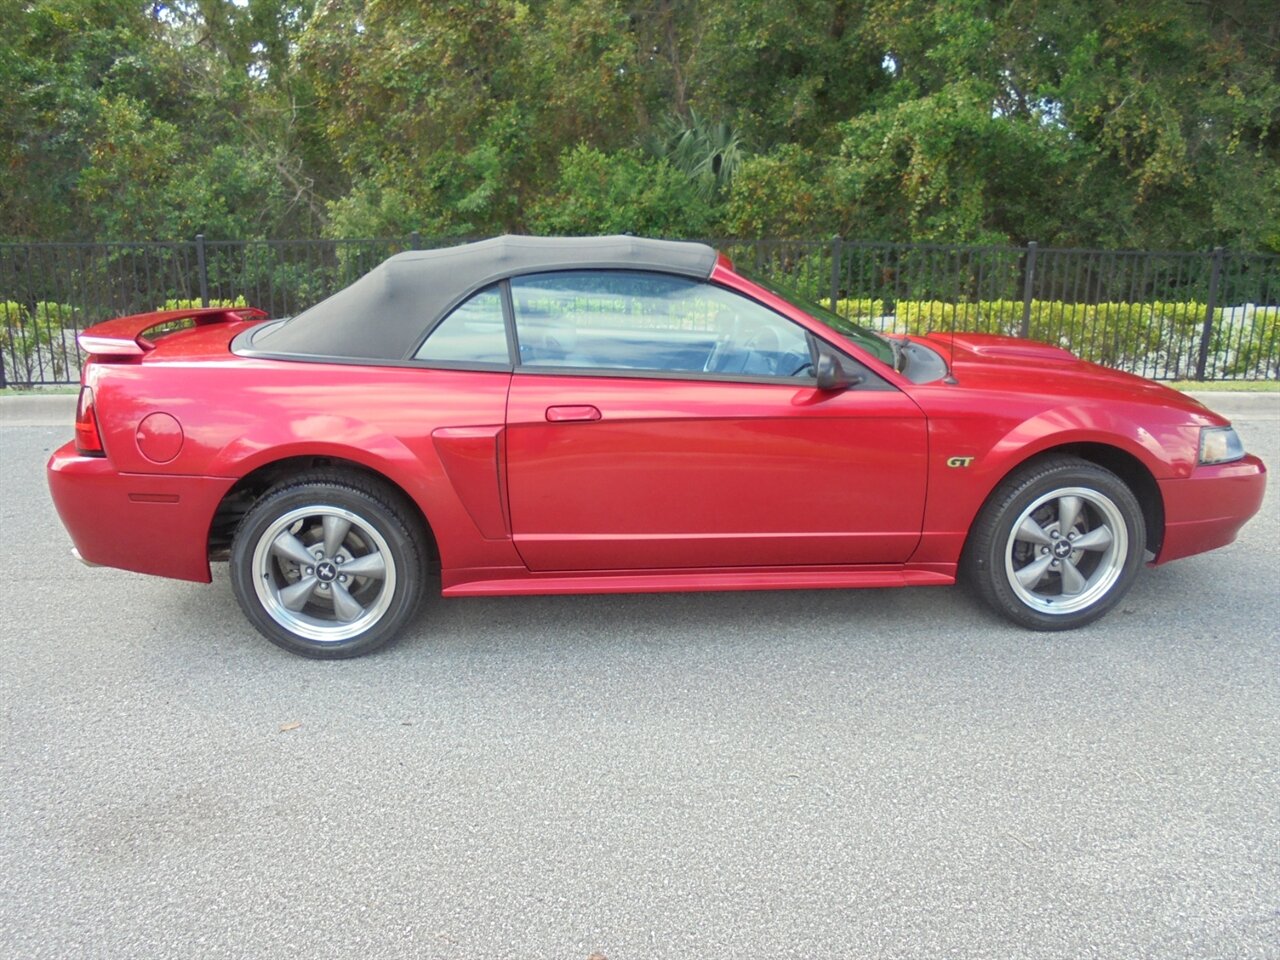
(1220,445)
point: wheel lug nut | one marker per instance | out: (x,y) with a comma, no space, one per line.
(1055,534)
(310,571)
(343,578)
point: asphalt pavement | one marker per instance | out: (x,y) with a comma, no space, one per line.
(864,774)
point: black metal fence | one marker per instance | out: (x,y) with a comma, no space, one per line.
(1205,316)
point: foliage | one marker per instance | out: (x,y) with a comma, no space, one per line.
(785,193)
(866,311)
(35,340)
(942,167)
(1095,123)
(192,304)
(186,323)
(1256,350)
(1159,335)
(621,192)
(707,153)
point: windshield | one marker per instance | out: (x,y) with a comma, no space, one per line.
(879,347)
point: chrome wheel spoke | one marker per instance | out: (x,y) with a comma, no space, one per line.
(1031,532)
(1098,539)
(335,531)
(289,547)
(372,565)
(1073,580)
(1030,575)
(345,605)
(1068,512)
(295,596)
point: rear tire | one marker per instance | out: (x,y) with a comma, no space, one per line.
(1057,545)
(328,565)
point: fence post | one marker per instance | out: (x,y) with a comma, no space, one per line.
(1028,287)
(1215,272)
(415,240)
(837,261)
(203,268)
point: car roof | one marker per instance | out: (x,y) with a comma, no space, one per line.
(384,314)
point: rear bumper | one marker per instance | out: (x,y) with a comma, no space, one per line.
(1207,509)
(149,524)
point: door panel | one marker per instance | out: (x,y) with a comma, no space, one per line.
(700,473)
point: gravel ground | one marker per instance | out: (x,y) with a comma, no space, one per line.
(862,774)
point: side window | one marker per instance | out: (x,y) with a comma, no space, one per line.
(627,320)
(473,333)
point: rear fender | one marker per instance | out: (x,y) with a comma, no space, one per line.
(417,470)
(313,436)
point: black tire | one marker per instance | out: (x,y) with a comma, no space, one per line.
(311,607)
(1029,569)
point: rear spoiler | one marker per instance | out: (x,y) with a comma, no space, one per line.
(123,337)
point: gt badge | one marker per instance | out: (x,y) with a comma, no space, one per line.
(959,461)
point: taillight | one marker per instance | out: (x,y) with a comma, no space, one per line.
(88,439)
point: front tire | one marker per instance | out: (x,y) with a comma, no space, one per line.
(328,566)
(1057,545)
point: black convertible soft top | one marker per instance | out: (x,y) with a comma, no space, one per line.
(384,314)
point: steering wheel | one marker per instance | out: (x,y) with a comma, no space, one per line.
(716,357)
(764,340)
(720,350)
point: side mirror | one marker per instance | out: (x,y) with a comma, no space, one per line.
(831,374)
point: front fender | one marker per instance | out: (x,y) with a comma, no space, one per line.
(1166,451)
(972,450)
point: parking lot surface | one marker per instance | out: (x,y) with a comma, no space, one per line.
(887,773)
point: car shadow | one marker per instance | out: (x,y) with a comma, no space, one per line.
(553,625)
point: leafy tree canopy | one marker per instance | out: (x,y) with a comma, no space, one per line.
(1094,122)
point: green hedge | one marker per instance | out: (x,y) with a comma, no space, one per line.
(35,341)
(38,342)
(1163,335)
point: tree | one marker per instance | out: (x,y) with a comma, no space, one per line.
(1099,122)
(622,192)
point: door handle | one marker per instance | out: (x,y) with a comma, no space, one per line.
(566,414)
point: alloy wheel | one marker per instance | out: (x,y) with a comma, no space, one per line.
(1066,550)
(324,573)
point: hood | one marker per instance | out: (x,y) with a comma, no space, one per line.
(996,348)
(995,362)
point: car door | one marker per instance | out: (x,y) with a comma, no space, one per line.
(660,422)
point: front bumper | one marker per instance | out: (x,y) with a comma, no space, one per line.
(1207,509)
(147,523)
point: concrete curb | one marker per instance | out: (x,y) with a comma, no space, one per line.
(1242,406)
(60,409)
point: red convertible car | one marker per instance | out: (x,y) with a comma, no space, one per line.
(607,414)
